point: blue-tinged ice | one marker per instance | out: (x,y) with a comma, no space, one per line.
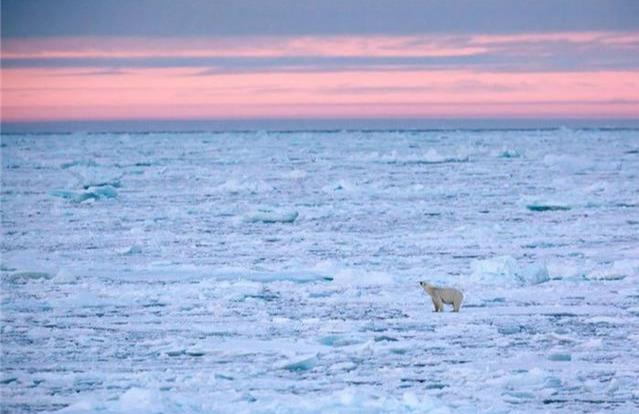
(268,215)
(505,270)
(548,206)
(300,363)
(278,272)
(90,193)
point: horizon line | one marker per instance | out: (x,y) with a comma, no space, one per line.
(312,124)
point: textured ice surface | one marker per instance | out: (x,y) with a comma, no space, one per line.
(278,272)
(504,270)
(268,215)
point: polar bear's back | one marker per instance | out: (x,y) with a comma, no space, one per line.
(449,295)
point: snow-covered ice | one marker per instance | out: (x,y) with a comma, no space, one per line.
(263,272)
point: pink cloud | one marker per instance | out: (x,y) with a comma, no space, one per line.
(370,90)
(335,46)
(42,94)
(281,46)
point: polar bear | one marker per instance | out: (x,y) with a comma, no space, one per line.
(443,295)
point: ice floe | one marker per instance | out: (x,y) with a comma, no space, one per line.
(505,270)
(270,215)
(300,363)
(90,193)
(249,186)
(616,270)
(342,275)
(508,153)
(548,205)
(23,277)
(95,176)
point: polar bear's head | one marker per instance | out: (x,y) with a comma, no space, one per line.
(428,288)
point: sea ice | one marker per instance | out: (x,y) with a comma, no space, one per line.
(277,272)
(300,363)
(95,176)
(249,186)
(90,193)
(23,277)
(547,205)
(559,356)
(505,270)
(64,276)
(268,215)
(508,153)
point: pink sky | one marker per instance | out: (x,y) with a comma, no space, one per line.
(124,86)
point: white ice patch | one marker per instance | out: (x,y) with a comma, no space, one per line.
(180,272)
(567,162)
(568,193)
(505,270)
(431,156)
(567,269)
(136,400)
(88,175)
(270,215)
(588,270)
(528,385)
(352,277)
(295,174)
(24,266)
(130,250)
(340,186)
(247,186)
(24,277)
(299,363)
(64,276)
(606,320)
(617,270)
(508,153)
(348,401)
(89,194)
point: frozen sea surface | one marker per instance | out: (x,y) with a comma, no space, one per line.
(278,272)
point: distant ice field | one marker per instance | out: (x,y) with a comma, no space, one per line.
(278,272)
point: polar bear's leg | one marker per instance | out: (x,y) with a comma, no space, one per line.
(457,302)
(439,306)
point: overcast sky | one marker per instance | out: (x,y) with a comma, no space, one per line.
(32,18)
(196,59)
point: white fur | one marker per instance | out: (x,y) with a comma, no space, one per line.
(443,295)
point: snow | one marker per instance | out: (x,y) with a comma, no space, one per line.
(23,277)
(508,153)
(504,270)
(300,363)
(276,272)
(90,193)
(270,215)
